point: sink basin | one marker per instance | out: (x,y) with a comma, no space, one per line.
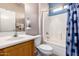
(15,38)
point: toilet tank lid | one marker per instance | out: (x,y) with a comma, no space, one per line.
(45,47)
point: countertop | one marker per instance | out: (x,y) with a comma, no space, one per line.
(6,41)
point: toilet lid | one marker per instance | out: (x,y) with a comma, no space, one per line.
(45,47)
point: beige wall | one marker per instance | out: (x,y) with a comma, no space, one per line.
(31,11)
(18,8)
(43,7)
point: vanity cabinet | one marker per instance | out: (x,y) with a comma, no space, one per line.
(22,49)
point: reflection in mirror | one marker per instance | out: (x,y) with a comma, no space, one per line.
(12,17)
(28,23)
(7,20)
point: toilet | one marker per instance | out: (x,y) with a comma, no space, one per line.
(45,49)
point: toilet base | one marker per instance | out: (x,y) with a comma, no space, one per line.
(39,53)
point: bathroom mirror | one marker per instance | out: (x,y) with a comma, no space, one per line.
(7,20)
(12,17)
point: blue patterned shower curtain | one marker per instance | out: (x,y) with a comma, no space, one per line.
(72,36)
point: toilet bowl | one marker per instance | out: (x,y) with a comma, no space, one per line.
(43,48)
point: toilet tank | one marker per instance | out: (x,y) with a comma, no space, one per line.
(37,41)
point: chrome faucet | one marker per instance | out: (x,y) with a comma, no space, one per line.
(15,35)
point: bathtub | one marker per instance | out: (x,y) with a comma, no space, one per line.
(59,49)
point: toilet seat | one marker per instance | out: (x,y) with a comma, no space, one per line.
(45,47)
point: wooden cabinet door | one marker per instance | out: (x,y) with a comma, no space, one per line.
(23,49)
